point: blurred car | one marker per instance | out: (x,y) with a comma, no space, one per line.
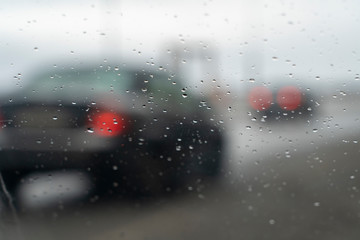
(281,102)
(135,130)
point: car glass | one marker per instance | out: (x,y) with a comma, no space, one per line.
(90,80)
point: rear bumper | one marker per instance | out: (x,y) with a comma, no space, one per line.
(55,148)
(36,160)
(54,140)
(184,151)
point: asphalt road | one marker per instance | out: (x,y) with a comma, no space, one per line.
(288,180)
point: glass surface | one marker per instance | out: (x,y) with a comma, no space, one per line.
(179,119)
(102,81)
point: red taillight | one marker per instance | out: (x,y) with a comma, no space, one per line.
(260,98)
(107,123)
(289,98)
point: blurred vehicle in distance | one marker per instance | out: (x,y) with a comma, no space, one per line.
(136,131)
(282,102)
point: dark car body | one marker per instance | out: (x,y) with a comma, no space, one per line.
(133,129)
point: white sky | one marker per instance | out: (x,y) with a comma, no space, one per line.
(250,38)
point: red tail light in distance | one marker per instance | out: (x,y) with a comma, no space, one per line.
(289,98)
(260,98)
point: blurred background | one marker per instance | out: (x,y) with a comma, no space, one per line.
(282,81)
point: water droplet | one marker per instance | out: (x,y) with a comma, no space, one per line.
(90,130)
(251,80)
(317,78)
(55,118)
(184,95)
(272,221)
(317,204)
(315,130)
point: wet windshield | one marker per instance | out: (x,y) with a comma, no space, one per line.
(179,119)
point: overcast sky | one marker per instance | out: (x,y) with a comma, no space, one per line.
(260,39)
